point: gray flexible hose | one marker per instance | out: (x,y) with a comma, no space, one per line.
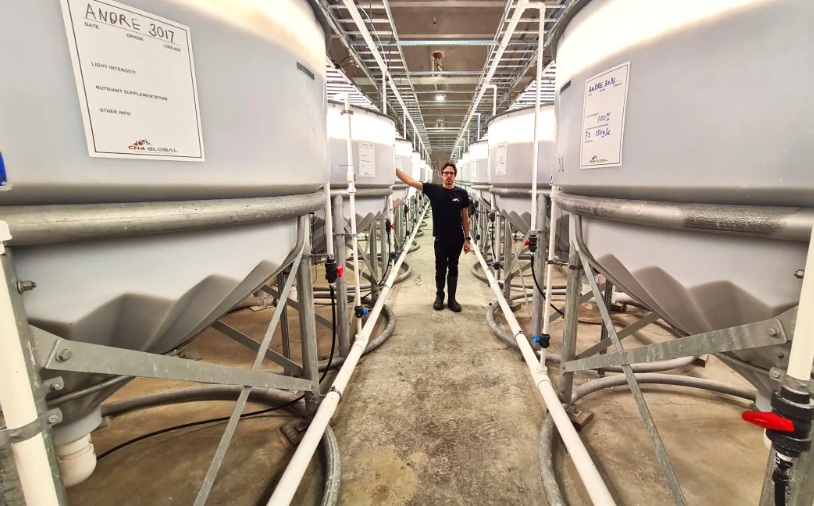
(329,445)
(659,366)
(545,444)
(478,273)
(372,344)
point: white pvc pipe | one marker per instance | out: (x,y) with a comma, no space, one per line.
(594,484)
(802,346)
(329,222)
(357,299)
(18,405)
(384,95)
(291,478)
(549,268)
(493,87)
(540,51)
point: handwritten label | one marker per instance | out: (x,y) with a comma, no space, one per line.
(603,120)
(501,155)
(367,159)
(135,78)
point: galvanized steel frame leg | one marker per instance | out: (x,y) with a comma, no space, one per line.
(539,265)
(285,329)
(343,322)
(573,292)
(383,246)
(644,411)
(308,327)
(606,300)
(373,262)
(506,261)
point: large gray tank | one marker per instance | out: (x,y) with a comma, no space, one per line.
(479,161)
(701,102)
(511,159)
(374,139)
(248,117)
(404,162)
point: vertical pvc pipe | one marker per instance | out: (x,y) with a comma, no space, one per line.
(549,269)
(329,223)
(540,51)
(802,346)
(18,403)
(357,300)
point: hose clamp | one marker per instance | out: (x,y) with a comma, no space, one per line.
(31,429)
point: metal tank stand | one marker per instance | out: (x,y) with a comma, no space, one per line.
(771,332)
(48,351)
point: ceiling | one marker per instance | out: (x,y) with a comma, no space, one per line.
(437,48)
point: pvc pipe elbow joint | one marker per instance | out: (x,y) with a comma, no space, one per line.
(77,460)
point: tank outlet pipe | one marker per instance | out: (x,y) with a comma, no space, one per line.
(291,478)
(477,126)
(549,273)
(350,5)
(357,299)
(540,51)
(594,484)
(17,401)
(330,263)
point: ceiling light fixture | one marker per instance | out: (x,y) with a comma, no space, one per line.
(440,97)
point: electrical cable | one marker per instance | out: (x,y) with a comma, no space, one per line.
(244,415)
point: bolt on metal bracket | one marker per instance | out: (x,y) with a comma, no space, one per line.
(780,376)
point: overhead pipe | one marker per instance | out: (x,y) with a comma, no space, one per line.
(357,300)
(291,478)
(350,5)
(493,87)
(594,484)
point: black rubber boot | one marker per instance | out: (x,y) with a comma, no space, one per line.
(452,285)
(439,295)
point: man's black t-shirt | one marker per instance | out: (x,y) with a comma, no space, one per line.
(447,221)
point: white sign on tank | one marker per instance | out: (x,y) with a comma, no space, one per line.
(136,82)
(603,118)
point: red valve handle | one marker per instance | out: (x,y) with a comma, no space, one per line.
(768,420)
(340,269)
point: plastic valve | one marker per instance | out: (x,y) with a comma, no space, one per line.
(360,311)
(331,271)
(340,270)
(544,340)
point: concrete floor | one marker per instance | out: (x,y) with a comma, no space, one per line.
(442,414)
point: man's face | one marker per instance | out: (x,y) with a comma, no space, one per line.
(448,176)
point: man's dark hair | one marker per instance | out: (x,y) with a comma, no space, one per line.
(450,164)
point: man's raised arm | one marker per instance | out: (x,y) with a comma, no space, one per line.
(406,179)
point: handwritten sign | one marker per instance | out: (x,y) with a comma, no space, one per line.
(603,119)
(501,155)
(135,78)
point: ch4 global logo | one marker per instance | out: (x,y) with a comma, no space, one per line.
(596,159)
(144,145)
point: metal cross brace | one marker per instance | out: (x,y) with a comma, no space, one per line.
(253,345)
(296,305)
(769,332)
(644,411)
(57,354)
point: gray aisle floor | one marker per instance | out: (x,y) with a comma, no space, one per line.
(442,413)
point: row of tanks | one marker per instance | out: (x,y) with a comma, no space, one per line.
(702,107)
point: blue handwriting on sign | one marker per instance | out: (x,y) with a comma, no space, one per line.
(603,132)
(602,84)
(602,118)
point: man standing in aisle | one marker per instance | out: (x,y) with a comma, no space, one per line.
(450,227)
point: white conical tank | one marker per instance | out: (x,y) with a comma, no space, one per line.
(143,102)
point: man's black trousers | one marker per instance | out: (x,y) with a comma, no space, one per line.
(447,253)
